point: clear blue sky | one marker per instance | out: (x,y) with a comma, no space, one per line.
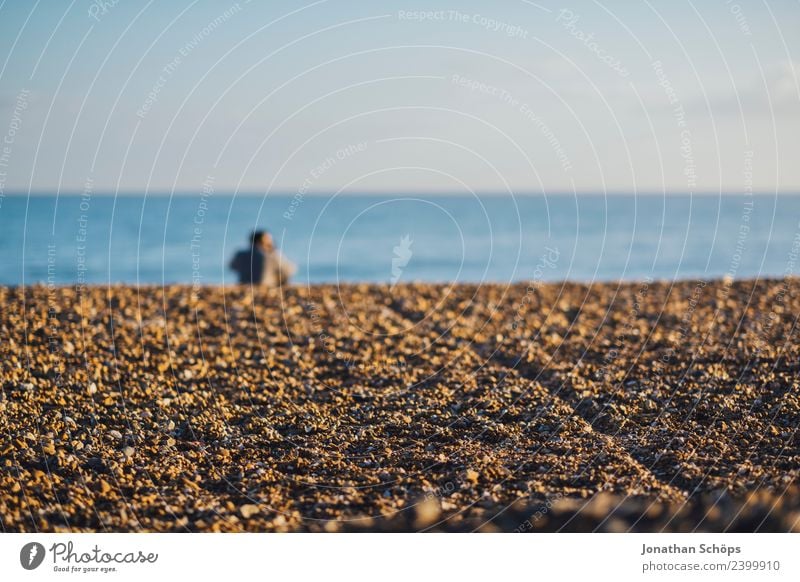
(517,95)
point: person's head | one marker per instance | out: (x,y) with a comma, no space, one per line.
(261,239)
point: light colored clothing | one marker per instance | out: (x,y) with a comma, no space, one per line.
(258,267)
(278,270)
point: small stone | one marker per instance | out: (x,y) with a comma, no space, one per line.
(128,452)
(427,512)
(249,510)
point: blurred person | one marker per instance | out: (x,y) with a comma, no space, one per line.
(262,263)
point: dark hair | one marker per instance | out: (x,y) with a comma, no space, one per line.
(257,236)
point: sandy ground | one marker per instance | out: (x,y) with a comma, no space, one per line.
(640,406)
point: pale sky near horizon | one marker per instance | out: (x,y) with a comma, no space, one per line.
(410,96)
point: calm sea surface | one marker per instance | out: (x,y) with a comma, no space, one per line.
(186,238)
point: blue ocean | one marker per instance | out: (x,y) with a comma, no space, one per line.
(188,238)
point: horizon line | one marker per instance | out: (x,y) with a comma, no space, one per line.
(399,193)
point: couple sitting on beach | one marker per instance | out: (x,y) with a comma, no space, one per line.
(262,264)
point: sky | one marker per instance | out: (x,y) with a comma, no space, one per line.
(121,96)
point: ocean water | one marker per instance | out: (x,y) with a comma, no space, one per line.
(190,238)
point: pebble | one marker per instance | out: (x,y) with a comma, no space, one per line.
(248,510)
(427,512)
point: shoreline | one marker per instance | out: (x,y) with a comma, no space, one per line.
(365,407)
(724,279)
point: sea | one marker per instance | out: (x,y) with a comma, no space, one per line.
(103,239)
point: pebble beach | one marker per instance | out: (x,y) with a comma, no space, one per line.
(650,406)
